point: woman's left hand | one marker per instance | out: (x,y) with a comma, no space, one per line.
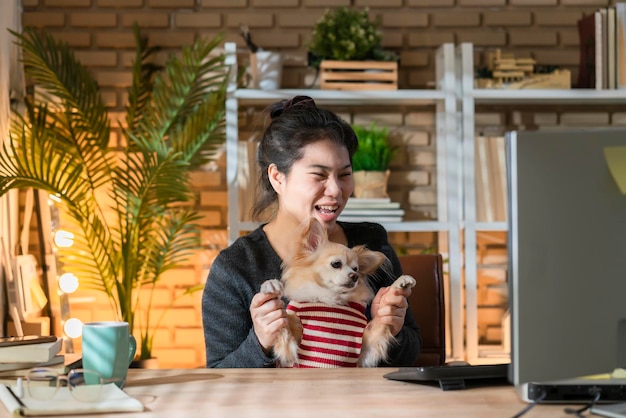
(389,307)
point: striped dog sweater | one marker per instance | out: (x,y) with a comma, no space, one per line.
(332,334)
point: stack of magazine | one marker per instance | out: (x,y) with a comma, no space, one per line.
(372,210)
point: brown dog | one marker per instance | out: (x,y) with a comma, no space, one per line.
(328,292)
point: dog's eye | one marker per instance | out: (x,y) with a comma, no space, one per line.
(336,264)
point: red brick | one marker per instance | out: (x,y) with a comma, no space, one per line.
(119,3)
(43,19)
(67,3)
(253,20)
(174,4)
(507,18)
(146,20)
(532,38)
(447,19)
(220,4)
(198,20)
(404,20)
(93,20)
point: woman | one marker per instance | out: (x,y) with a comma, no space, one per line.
(305,163)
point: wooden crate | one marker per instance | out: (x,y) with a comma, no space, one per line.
(358,75)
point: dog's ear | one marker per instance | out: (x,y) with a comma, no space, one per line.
(314,235)
(369,260)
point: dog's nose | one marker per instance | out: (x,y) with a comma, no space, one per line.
(354,277)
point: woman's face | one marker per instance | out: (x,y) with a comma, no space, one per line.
(318,185)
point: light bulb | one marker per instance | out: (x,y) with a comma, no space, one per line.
(63,238)
(73,327)
(68,282)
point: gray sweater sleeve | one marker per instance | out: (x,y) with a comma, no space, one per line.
(235,277)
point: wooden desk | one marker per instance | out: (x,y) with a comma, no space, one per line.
(324,393)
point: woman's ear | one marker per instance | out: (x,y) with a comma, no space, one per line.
(276,177)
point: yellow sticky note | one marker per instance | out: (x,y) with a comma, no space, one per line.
(616,161)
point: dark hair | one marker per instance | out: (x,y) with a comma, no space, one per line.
(295,123)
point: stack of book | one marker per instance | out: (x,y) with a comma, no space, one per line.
(602,38)
(372,210)
(23,353)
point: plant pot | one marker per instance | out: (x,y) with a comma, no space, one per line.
(266,70)
(149,363)
(370,184)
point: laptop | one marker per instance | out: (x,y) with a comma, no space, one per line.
(607,388)
(453,377)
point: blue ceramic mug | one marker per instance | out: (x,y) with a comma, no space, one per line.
(108,348)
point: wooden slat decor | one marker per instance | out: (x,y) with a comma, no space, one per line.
(358,75)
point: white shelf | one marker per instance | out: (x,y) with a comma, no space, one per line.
(338,97)
(447,143)
(551,97)
(468,97)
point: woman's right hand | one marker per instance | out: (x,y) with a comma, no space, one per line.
(268,318)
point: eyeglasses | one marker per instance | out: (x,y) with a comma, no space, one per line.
(84,385)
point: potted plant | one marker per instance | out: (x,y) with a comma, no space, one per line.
(345,34)
(345,47)
(371,161)
(131,207)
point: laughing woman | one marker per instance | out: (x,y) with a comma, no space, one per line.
(305,170)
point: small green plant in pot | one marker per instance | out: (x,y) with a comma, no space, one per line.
(370,162)
(346,34)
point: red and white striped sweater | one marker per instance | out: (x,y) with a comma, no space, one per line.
(332,334)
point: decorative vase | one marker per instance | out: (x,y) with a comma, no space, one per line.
(370,184)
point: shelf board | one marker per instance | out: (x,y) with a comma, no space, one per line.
(491,226)
(342,97)
(555,96)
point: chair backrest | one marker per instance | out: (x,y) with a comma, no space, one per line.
(427,305)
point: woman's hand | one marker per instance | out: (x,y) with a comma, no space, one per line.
(389,307)
(268,318)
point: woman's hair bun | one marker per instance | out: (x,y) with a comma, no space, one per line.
(297,102)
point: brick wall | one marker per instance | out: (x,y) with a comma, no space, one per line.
(101,33)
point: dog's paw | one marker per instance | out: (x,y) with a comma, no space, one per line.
(405,282)
(272,286)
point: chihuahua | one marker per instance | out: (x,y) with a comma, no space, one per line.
(326,284)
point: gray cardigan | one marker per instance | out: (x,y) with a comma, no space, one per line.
(236,276)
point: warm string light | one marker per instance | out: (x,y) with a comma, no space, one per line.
(68,282)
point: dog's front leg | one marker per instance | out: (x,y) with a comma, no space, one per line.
(377,338)
(286,347)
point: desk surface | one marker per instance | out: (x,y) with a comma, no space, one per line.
(322,393)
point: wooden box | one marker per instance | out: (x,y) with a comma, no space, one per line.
(358,75)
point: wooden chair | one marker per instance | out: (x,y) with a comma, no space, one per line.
(427,305)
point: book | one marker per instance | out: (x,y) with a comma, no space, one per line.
(599,51)
(497,169)
(365,218)
(611,50)
(587,59)
(25,353)
(484,179)
(357,203)
(12,368)
(620,42)
(112,399)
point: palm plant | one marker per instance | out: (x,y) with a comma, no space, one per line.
(132,207)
